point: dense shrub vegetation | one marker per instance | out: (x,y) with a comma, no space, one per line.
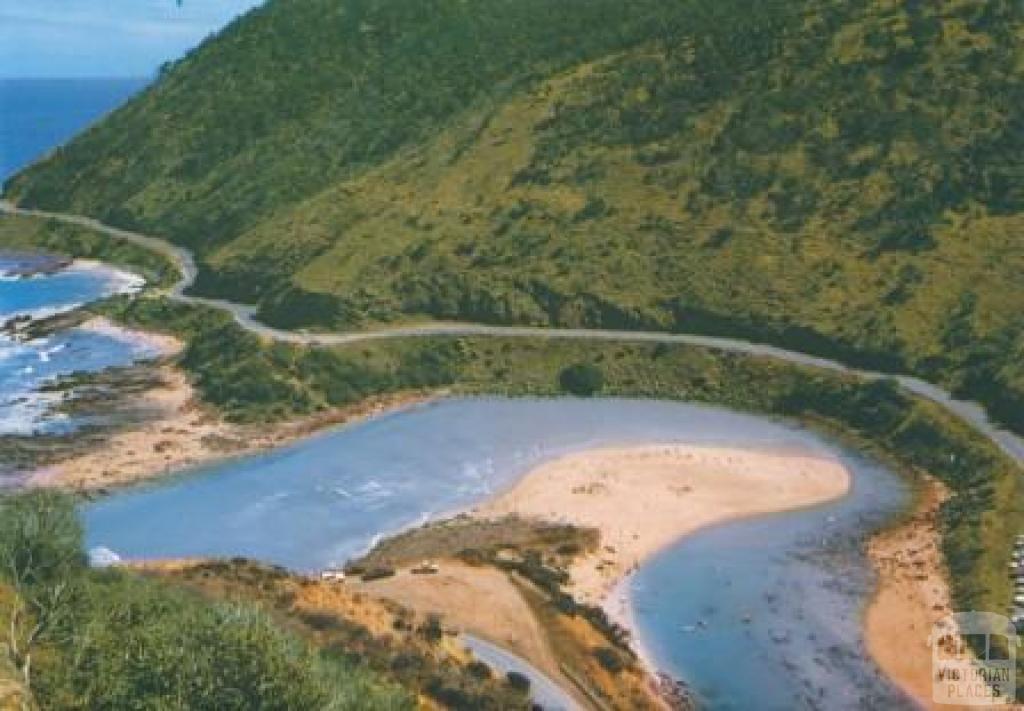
(85,639)
(249,379)
(29,234)
(838,177)
(412,653)
(582,379)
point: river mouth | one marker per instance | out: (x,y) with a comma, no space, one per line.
(321,501)
(767,612)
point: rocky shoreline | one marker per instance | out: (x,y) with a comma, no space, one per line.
(25,328)
(22,265)
(106,403)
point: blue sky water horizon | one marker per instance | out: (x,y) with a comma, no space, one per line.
(104,38)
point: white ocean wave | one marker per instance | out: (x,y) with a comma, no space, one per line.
(116,281)
(10,349)
(24,410)
(143,345)
(27,413)
(45,354)
(13,274)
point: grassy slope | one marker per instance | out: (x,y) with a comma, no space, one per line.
(301,93)
(840,177)
(13,696)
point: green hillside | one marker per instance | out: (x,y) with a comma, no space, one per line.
(843,177)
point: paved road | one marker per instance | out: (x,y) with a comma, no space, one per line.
(543,691)
(245,315)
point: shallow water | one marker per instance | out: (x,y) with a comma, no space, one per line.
(45,294)
(27,366)
(765,613)
(321,501)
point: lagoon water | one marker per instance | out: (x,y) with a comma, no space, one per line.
(800,575)
(766,613)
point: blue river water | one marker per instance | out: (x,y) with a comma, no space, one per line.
(26,366)
(800,576)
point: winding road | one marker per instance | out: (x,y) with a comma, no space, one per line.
(543,691)
(245,315)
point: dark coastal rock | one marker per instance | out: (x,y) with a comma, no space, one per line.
(28,264)
(101,403)
(25,328)
(676,695)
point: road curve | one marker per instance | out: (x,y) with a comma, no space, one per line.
(543,691)
(245,315)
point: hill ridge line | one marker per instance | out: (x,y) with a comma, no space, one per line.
(245,316)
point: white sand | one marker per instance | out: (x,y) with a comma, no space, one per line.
(644,498)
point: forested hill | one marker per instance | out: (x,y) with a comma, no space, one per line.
(839,176)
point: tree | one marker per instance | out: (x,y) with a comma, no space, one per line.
(41,558)
(517,681)
(582,379)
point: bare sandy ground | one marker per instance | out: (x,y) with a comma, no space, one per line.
(644,498)
(912,596)
(478,600)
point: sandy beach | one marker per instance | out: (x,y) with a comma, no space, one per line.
(163,345)
(641,499)
(645,498)
(912,595)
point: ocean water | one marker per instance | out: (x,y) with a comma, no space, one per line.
(322,501)
(37,115)
(27,366)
